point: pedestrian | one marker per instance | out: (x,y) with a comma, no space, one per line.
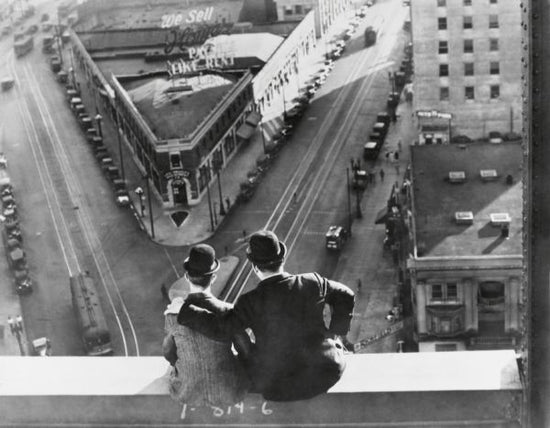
(359,284)
(394,116)
(399,146)
(396,156)
(228,203)
(164,292)
(295,197)
(244,233)
(381,174)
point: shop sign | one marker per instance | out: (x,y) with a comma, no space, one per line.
(199,59)
(434,113)
(193,16)
(193,36)
(177,175)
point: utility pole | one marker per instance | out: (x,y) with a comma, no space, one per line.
(349,202)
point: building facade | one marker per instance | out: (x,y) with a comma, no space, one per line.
(182,164)
(467,64)
(465,262)
(325,11)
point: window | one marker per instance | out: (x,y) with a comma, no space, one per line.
(493,1)
(445,292)
(493,45)
(467,2)
(468,69)
(469,92)
(468,46)
(495,92)
(175,160)
(468,23)
(444,93)
(298,9)
(288,10)
(493,21)
(441,23)
(437,292)
(443,47)
(491,293)
(494,67)
(452,291)
(443,69)
(441,3)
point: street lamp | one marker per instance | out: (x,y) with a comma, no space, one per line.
(349,202)
(98,118)
(16,328)
(150,200)
(139,192)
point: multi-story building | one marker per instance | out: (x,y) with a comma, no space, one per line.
(467,66)
(326,11)
(186,83)
(464,223)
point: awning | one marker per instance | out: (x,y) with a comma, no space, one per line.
(245,131)
(253,118)
(381,216)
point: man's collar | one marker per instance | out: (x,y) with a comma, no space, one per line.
(276,277)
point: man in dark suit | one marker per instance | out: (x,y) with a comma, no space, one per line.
(205,370)
(295,355)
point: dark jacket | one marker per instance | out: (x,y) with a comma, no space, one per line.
(296,356)
(205,371)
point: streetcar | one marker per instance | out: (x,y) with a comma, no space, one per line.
(91,320)
(23,46)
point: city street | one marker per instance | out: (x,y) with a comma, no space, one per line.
(71,223)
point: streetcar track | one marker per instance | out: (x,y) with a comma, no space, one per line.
(301,174)
(83,215)
(59,184)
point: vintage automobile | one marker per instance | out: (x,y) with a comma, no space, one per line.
(336,237)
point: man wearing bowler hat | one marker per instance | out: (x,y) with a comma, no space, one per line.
(295,355)
(205,370)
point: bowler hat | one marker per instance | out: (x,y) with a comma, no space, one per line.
(264,248)
(201,261)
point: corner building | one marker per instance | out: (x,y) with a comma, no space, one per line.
(467,63)
(185,82)
(466,255)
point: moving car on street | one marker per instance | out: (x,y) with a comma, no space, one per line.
(336,237)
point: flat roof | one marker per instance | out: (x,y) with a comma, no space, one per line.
(157,14)
(437,199)
(176,114)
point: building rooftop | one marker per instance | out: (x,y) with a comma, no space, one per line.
(258,45)
(162,14)
(439,196)
(174,108)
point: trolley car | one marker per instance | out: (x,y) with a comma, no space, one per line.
(91,320)
(24,46)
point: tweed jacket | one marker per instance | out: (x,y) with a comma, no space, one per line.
(295,355)
(205,371)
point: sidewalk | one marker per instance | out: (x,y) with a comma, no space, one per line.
(379,286)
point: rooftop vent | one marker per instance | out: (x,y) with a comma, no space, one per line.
(500,219)
(488,174)
(457,176)
(464,217)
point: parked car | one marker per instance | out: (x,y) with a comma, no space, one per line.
(42,347)
(460,139)
(495,137)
